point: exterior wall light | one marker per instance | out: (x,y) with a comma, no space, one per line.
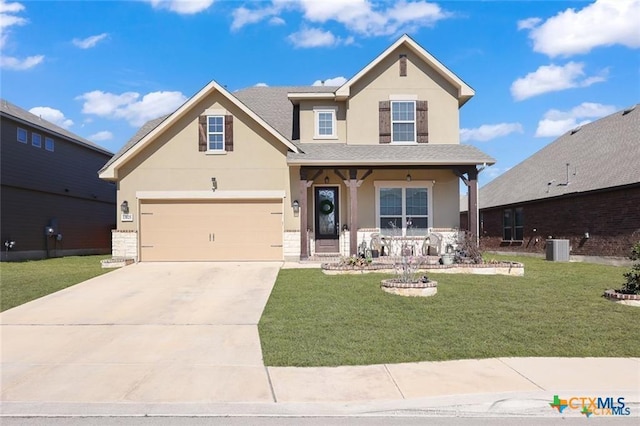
(124,207)
(408,177)
(296,207)
(214,184)
(326,180)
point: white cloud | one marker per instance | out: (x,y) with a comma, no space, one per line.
(8,19)
(362,17)
(486,132)
(276,20)
(527,24)
(130,106)
(553,78)
(182,7)
(104,135)
(89,42)
(556,122)
(16,64)
(493,172)
(261,85)
(602,23)
(53,115)
(335,81)
(313,37)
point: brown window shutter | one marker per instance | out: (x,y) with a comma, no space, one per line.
(228,132)
(384,108)
(403,65)
(202,133)
(422,118)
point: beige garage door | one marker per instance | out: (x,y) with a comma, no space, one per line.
(179,230)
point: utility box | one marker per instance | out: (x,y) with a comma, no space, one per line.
(558,250)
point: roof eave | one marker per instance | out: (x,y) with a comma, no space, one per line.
(304,162)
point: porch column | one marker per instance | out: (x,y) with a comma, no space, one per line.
(352,184)
(302,200)
(473,203)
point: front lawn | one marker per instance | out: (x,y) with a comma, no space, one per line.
(556,309)
(22,282)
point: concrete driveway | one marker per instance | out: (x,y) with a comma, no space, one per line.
(150,332)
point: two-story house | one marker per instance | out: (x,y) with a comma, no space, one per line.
(272,173)
(53,203)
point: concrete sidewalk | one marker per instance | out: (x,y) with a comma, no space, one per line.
(489,387)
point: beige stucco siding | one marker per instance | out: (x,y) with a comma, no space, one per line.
(307,121)
(383,81)
(172,162)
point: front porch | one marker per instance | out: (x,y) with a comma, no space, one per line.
(349,210)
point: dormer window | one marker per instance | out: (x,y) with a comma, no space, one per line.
(403,121)
(325,123)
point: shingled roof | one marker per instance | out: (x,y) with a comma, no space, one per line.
(599,155)
(14,111)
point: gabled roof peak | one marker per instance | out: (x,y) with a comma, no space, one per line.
(465,92)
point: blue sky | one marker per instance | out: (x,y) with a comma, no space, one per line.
(539,68)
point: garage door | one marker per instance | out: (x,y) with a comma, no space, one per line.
(199,230)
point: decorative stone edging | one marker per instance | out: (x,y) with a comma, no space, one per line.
(622,298)
(116,262)
(504,268)
(413,289)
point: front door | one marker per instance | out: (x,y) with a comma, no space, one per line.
(327,222)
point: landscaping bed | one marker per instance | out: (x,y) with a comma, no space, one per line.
(386,266)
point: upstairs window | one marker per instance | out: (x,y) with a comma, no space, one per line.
(22,135)
(325,123)
(215,133)
(49,144)
(403,121)
(36,140)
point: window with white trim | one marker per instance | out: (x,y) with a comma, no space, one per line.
(49,145)
(325,123)
(403,121)
(215,133)
(21,135)
(403,208)
(36,140)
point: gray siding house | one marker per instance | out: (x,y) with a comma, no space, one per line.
(53,203)
(584,187)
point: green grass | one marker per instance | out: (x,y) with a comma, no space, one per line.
(313,319)
(21,282)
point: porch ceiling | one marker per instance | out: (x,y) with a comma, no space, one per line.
(338,154)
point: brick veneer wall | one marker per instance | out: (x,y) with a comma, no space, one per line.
(612,219)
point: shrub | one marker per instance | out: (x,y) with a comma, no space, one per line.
(632,286)
(468,251)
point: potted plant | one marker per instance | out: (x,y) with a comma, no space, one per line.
(448,256)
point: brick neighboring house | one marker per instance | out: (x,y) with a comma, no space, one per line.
(49,180)
(584,186)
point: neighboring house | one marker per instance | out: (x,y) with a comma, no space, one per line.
(53,203)
(584,186)
(272,173)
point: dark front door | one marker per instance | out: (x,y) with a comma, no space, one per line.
(327,216)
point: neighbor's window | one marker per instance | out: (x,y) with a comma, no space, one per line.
(325,126)
(403,210)
(49,144)
(403,121)
(215,132)
(513,224)
(22,135)
(36,140)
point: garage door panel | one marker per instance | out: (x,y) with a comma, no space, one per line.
(205,230)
